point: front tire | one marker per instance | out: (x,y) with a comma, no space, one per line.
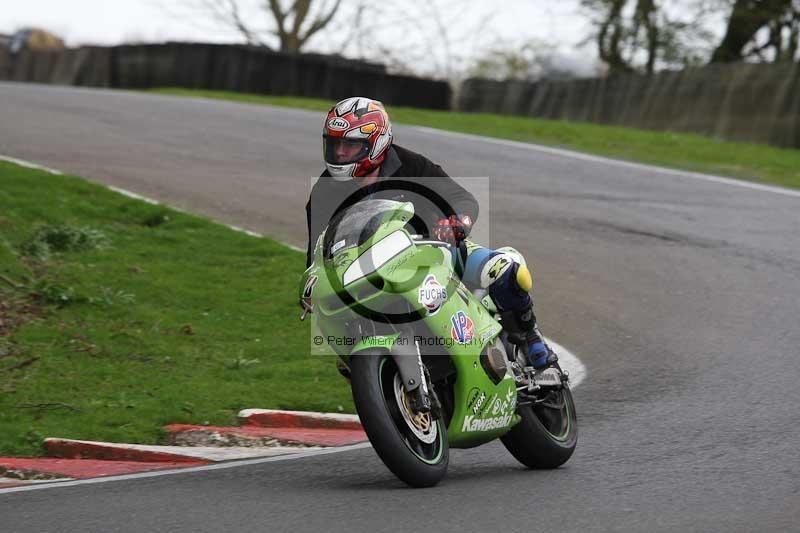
(416,453)
(545,437)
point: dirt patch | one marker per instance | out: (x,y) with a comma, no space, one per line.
(27,475)
(15,311)
(222,440)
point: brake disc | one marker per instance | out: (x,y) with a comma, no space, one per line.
(421,425)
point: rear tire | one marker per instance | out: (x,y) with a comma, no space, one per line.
(414,461)
(544,439)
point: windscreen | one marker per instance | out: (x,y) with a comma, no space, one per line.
(355,225)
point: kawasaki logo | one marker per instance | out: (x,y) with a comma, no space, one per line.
(485,424)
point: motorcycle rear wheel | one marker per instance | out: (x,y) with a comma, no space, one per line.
(402,447)
(546,437)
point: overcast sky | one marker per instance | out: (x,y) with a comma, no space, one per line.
(473,29)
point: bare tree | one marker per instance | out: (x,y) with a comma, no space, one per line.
(436,39)
(292,23)
(611,33)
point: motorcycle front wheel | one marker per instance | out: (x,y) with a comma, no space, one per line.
(411,444)
(548,432)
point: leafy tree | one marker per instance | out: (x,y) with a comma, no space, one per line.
(642,35)
(766,30)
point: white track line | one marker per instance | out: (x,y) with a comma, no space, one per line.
(569,362)
(28,164)
(260,236)
(609,161)
(159,473)
(129,194)
(246,231)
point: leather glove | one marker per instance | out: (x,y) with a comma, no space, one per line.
(453,229)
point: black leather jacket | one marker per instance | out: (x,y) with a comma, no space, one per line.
(404,176)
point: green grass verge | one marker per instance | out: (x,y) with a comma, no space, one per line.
(147,316)
(753,162)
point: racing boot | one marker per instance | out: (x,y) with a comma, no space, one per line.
(510,293)
(529,338)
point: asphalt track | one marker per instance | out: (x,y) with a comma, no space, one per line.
(679,293)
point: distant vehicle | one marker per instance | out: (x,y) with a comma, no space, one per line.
(35,39)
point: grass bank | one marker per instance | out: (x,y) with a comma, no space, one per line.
(749,161)
(117,317)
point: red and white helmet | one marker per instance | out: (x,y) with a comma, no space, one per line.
(356,137)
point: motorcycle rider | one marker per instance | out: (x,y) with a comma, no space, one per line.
(362,161)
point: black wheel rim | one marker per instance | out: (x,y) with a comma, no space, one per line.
(554,413)
(428,453)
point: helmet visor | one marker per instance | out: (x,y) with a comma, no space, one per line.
(341,151)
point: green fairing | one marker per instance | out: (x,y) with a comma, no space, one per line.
(482,410)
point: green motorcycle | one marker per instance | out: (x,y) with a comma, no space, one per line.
(428,361)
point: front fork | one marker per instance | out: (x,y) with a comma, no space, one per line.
(415,377)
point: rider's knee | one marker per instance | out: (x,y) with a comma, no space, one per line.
(485,267)
(495,269)
(514,253)
(508,282)
(500,267)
